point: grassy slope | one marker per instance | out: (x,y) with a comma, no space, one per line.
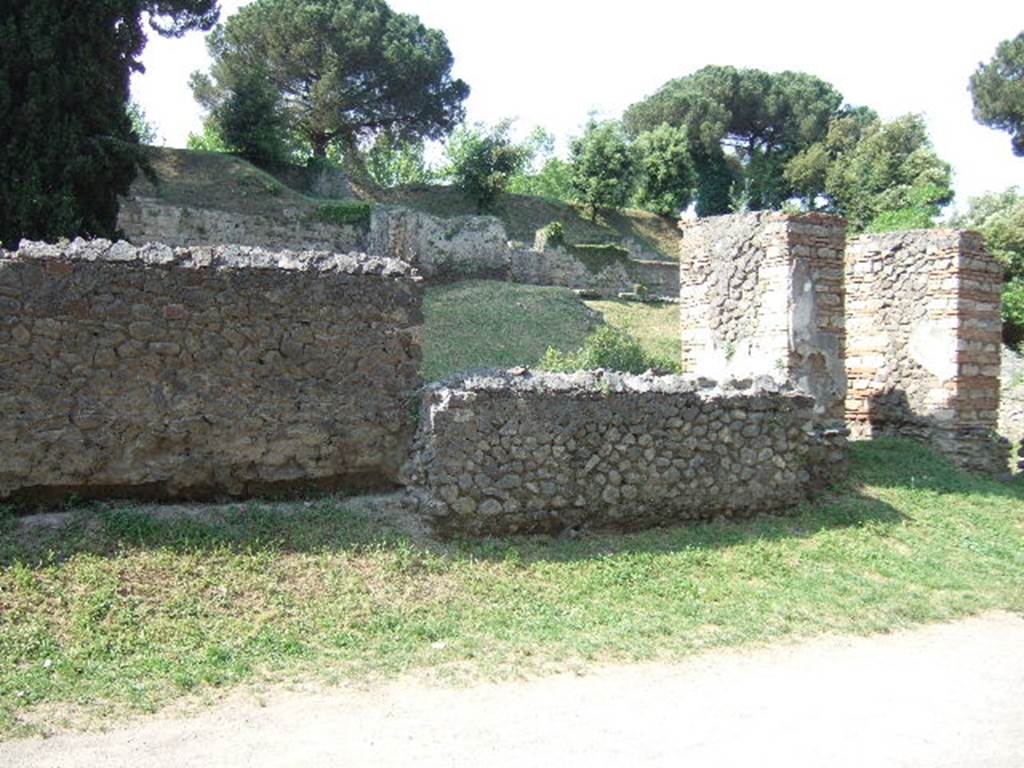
(488,324)
(485,324)
(123,613)
(212,180)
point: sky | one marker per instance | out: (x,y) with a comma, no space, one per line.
(552,62)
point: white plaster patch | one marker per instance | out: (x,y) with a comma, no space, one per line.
(933,349)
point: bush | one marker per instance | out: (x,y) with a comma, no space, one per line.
(551,236)
(344,214)
(607,348)
(481,162)
(603,169)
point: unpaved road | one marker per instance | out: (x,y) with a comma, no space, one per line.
(945,695)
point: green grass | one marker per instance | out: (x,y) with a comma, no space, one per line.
(655,326)
(218,181)
(123,613)
(490,324)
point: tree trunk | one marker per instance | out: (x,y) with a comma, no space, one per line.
(355,168)
(319,147)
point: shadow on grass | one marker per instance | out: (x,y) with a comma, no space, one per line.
(348,525)
(897,463)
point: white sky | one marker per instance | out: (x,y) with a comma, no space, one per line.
(550,62)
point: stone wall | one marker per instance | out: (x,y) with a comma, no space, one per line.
(660,279)
(512,452)
(470,246)
(762,294)
(924,340)
(441,249)
(192,371)
(148,220)
(1011,400)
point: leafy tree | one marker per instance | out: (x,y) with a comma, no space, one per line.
(209,140)
(247,118)
(67,146)
(665,171)
(1000,218)
(547,176)
(344,70)
(998,91)
(879,176)
(761,119)
(603,169)
(392,163)
(141,124)
(482,160)
(553,180)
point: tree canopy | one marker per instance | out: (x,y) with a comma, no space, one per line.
(1000,218)
(664,169)
(879,176)
(482,160)
(763,119)
(67,146)
(344,71)
(998,91)
(603,167)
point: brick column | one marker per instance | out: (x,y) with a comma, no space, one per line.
(924,342)
(761,294)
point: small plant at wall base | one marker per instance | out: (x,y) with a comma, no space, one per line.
(610,349)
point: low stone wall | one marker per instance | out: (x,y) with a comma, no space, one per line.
(1011,401)
(439,248)
(503,452)
(660,279)
(924,340)
(196,371)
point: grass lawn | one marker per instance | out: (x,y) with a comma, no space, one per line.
(489,324)
(123,613)
(655,326)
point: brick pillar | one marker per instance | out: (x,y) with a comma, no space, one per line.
(924,342)
(761,294)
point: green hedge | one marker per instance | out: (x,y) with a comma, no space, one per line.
(345,214)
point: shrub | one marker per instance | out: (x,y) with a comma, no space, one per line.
(551,236)
(481,162)
(1013,312)
(344,214)
(607,348)
(603,169)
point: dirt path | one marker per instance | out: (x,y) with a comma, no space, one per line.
(945,695)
